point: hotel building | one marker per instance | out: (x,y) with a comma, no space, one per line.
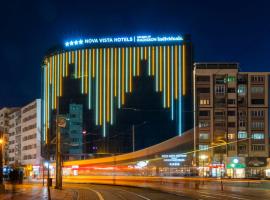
(105,86)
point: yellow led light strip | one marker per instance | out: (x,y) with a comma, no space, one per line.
(175,73)
(123,76)
(108,86)
(184,70)
(168,76)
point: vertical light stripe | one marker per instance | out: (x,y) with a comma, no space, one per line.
(104,92)
(160,69)
(52,83)
(153,62)
(184,70)
(130,70)
(45,102)
(149,61)
(164,76)
(82,70)
(115,72)
(145,53)
(73,57)
(142,56)
(168,77)
(50,69)
(123,77)
(76,64)
(108,96)
(157,71)
(172,83)
(176,72)
(63,64)
(180,91)
(100,85)
(95,58)
(97,85)
(119,77)
(90,91)
(67,57)
(60,75)
(79,63)
(126,70)
(138,61)
(134,61)
(86,72)
(112,81)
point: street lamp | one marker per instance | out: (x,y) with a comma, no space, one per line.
(203,157)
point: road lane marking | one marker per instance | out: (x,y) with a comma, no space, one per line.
(138,195)
(209,196)
(97,193)
(225,195)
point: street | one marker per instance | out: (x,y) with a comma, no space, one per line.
(108,192)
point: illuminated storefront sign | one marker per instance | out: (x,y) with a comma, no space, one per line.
(174,159)
(128,39)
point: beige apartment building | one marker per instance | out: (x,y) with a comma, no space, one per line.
(231,120)
(24,145)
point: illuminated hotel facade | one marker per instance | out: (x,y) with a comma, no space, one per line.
(94,83)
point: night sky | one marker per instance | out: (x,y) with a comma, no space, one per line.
(222,31)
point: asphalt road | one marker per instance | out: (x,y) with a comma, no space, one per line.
(108,192)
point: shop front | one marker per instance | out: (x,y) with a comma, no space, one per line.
(236,167)
(256,167)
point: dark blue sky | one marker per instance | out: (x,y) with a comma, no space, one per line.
(221,31)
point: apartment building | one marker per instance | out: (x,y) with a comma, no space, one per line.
(24,137)
(4,127)
(231,120)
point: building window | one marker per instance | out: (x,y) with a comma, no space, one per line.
(242,134)
(231,124)
(231,136)
(257,79)
(231,113)
(203,124)
(257,90)
(231,90)
(231,101)
(203,78)
(231,147)
(203,147)
(241,90)
(220,89)
(204,136)
(242,123)
(257,113)
(204,113)
(257,125)
(257,136)
(204,102)
(203,90)
(257,101)
(257,147)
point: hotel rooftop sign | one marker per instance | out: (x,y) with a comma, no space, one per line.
(123,40)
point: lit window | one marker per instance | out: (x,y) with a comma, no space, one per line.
(242,134)
(258,136)
(203,147)
(231,136)
(204,136)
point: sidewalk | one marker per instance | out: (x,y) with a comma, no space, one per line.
(36,191)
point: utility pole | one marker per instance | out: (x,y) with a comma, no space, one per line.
(60,123)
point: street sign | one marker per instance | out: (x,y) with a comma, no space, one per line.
(61,121)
